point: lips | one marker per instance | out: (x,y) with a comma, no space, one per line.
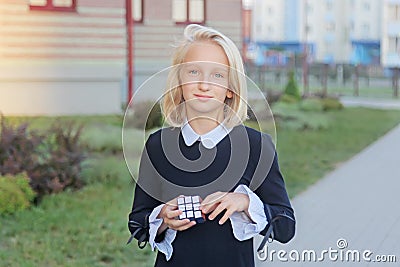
(203,96)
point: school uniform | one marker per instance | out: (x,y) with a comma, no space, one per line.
(177,161)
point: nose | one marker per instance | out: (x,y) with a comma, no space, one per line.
(204,85)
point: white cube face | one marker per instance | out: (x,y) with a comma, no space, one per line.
(190,207)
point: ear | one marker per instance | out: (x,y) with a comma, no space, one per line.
(229,94)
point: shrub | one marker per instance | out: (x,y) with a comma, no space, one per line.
(15,193)
(331,104)
(292,88)
(53,163)
(19,148)
(311,104)
(63,159)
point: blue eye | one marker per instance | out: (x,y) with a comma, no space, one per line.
(194,72)
(218,75)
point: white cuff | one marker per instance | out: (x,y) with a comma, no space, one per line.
(165,246)
(244,227)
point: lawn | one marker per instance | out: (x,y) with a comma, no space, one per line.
(89,227)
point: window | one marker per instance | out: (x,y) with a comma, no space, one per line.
(329,4)
(258,28)
(365,29)
(137,10)
(309,9)
(367,6)
(394,12)
(53,5)
(394,45)
(188,11)
(308,29)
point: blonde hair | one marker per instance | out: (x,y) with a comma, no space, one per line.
(174,113)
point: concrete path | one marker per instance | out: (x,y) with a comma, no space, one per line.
(358,203)
(377,103)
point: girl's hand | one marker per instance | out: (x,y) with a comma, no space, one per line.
(220,201)
(170,215)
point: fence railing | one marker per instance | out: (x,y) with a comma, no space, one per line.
(339,80)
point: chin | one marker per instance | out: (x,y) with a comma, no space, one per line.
(203,110)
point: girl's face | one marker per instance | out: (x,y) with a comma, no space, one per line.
(204,77)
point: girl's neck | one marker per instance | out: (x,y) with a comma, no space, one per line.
(203,125)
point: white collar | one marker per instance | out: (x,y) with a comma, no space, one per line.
(208,140)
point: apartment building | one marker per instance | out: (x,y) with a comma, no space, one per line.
(391,34)
(341,31)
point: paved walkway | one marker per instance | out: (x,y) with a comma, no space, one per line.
(377,103)
(358,202)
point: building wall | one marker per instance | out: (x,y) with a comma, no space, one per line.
(62,63)
(390,41)
(58,63)
(269,20)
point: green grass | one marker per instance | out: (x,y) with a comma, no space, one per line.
(306,156)
(89,227)
(85,228)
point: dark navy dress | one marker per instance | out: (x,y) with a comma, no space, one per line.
(169,168)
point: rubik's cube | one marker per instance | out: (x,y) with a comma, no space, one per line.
(190,205)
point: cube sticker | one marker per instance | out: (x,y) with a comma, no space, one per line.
(190,205)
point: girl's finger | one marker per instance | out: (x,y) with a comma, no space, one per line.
(208,208)
(221,207)
(211,201)
(177,224)
(226,216)
(186,226)
(173,213)
(212,198)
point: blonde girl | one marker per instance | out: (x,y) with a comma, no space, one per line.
(209,153)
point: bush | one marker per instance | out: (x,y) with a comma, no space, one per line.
(292,88)
(53,163)
(15,193)
(311,104)
(18,148)
(331,104)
